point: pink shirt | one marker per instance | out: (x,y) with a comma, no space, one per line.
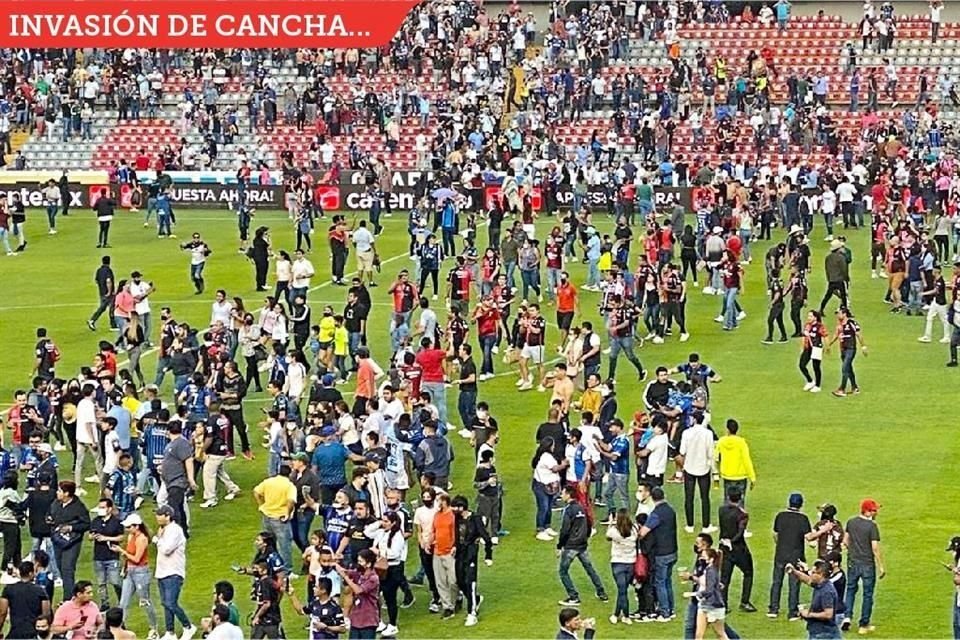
(69,614)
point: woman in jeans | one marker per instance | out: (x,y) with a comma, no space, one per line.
(623,554)
(529,260)
(137,575)
(134,339)
(546,485)
(390,545)
(248,337)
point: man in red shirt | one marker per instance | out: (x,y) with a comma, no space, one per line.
(487,317)
(431,359)
(566,307)
(142,163)
(405,296)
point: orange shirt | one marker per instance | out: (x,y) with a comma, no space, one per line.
(566,298)
(132,550)
(365,379)
(444,532)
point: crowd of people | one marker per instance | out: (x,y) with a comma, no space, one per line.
(358,435)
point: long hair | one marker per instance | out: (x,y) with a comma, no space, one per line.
(133,325)
(624,524)
(394,525)
(546,446)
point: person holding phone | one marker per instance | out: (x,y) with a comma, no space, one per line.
(137,574)
(79,615)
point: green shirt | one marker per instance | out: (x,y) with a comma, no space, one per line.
(645,193)
(234,617)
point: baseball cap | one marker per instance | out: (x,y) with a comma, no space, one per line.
(133,520)
(45,447)
(828,511)
(327,431)
(327,379)
(136,274)
(869,504)
(301,457)
(796,500)
(164,510)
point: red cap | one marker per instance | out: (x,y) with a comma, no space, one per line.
(869,504)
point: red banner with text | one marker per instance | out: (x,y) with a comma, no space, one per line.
(217,24)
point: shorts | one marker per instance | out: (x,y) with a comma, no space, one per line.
(365,260)
(564,320)
(532,353)
(325,345)
(714,614)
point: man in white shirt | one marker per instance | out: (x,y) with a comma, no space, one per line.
(301,272)
(828,207)
(423,522)
(366,251)
(87,437)
(172,570)
(141,291)
(222,628)
(936,6)
(656,452)
(697,462)
(846,193)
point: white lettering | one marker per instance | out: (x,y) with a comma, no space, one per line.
(198,27)
(225,26)
(178,26)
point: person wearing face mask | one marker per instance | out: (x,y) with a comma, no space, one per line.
(105,531)
(365,615)
(267,594)
(423,522)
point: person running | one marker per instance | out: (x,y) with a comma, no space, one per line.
(199,252)
(572,543)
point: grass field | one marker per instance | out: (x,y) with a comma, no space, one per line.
(895,442)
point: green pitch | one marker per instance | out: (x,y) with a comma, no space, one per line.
(895,442)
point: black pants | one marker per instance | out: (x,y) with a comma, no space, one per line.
(261,273)
(426,562)
(776,587)
(838,288)
(690,484)
(776,315)
(11,543)
(467,582)
(103,238)
(67,563)
(259,631)
(423,280)
(235,416)
(175,498)
(805,358)
(796,306)
(339,262)
(689,261)
(303,237)
(739,557)
(106,304)
(671,312)
(253,373)
(390,586)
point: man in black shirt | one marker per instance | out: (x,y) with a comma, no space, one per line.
(106,287)
(467,399)
(232,389)
(104,530)
(470,530)
(553,428)
(790,529)
(46,355)
(215,447)
(620,323)
(23,602)
(355,319)
(104,209)
(733,526)
(267,594)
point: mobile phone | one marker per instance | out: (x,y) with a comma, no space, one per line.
(237,568)
(305,490)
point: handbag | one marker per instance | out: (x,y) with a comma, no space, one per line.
(381,566)
(641,568)
(260,353)
(64,541)
(552,488)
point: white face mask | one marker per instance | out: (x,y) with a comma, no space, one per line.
(101,512)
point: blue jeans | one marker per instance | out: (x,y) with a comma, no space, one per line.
(511,266)
(52,216)
(438,396)
(956,619)
(5,238)
(913,301)
(137,581)
(856,572)
(593,272)
(196,272)
(826,635)
(300,528)
(486,345)
(622,576)
(531,280)
(663,582)
(624,344)
(544,503)
(46,544)
(467,407)
(281,530)
(163,223)
(567,556)
(745,235)
(846,368)
(169,595)
(553,281)
(730,308)
(106,572)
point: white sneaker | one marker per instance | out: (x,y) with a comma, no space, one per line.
(688,529)
(550,532)
(606,351)
(81,491)
(828,239)
(231,495)
(526,386)
(381,627)
(541,388)
(657,340)
(873,275)
(390,632)
(710,529)
(741,315)
(434,297)
(883,274)
(59,447)
(471,620)
(494,540)
(748,534)
(520,382)
(708,290)
(944,340)
(923,339)
(188,632)
(808,386)
(92,479)
(718,318)
(168,636)
(684,337)
(465,433)
(495,349)
(814,389)
(543,535)
(209,503)
(614,619)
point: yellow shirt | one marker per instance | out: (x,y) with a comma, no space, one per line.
(132,405)
(605,263)
(327,329)
(276,495)
(733,453)
(590,401)
(340,342)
